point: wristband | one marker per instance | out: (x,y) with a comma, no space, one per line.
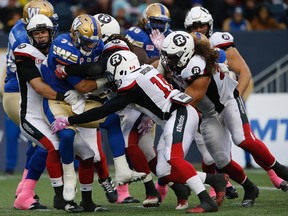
(60,96)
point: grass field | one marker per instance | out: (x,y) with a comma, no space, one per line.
(270,202)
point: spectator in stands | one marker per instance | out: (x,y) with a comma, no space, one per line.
(99,6)
(121,12)
(265,21)
(237,22)
(178,10)
(10,14)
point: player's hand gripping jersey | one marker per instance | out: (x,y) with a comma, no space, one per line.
(63,52)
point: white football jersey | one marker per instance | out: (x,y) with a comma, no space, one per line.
(220,89)
(29,97)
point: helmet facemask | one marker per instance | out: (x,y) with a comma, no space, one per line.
(157,16)
(171,62)
(177,50)
(40,22)
(197,17)
(160,23)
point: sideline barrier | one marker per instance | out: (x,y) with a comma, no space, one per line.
(269,121)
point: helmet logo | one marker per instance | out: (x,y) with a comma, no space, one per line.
(32,11)
(76,23)
(179,40)
(116,60)
(103,18)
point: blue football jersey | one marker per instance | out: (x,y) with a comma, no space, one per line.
(63,52)
(17,35)
(140,38)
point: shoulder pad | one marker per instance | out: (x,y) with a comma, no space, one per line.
(195,67)
(221,39)
(137,36)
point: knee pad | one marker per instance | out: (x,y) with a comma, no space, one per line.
(222,159)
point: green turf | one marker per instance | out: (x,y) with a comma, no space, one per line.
(270,202)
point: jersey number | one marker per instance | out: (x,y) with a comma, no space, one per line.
(162,84)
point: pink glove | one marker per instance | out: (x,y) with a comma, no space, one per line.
(157,38)
(145,125)
(60,72)
(59,124)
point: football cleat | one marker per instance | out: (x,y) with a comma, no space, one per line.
(110,189)
(68,206)
(231,193)
(204,207)
(182,204)
(284,186)
(249,197)
(152,201)
(129,200)
(36,206)
(92,207)
(129,177)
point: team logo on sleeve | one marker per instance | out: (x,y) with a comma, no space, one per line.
(225,36)
(196,70)
(179,40)
(104,19)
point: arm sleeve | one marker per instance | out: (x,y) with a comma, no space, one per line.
(111,106)
(26,66)
(87,70)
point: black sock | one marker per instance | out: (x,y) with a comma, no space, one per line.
(150,188)
(281,170)
(86,196)
(58,191)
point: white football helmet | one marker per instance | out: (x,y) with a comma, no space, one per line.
(108,24)
(177,49)
(120,64)
(198,16)
(39,22)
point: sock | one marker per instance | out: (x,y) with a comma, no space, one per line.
(208,168)
(138,159)
(274,178)
(181,171)
(58,191)
(152,166)
(86,171)
(235,171)
(86,196)
(150,188)
(21,183)
(66,149)
(123,192)
(259,151)
(54,165)
(280,170)
(30,151)
(114,134)
(37,164)
(101,166)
